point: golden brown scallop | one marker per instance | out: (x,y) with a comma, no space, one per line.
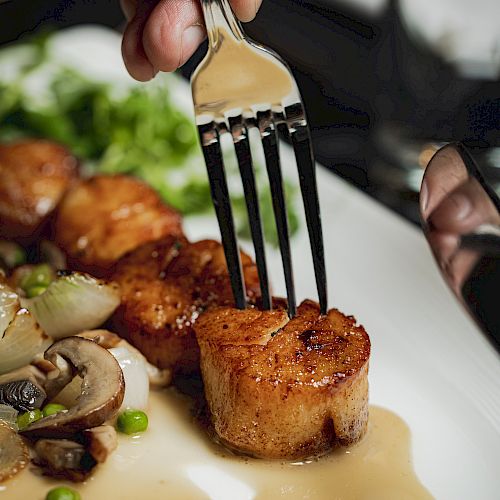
(34,175)
(284,389)
(104,217)
(165,287)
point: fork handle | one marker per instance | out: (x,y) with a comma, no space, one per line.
(219,21)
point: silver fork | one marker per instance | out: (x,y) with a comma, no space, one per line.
(239,85)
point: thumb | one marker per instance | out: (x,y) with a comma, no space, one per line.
(245,10)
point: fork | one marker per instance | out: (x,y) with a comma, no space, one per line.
(240,85)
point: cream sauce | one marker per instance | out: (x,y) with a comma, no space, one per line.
(236,76)
(176,459)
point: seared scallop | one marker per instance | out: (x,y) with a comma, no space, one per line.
(104,217)
(165,287)
(283,389)
(34,175)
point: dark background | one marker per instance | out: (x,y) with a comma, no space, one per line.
(374,97)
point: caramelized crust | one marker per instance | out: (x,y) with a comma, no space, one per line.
(34,175)
(165,286)
(284,389)
(104,217)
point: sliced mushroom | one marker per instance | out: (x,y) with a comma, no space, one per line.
(14,454)
(64,458)
(100,442)
(104,338)
(68,397)
(103,388)
(76,459)
(23,388)
(60,377)
(8,414)
(22,395)
(157,377)
(42,365)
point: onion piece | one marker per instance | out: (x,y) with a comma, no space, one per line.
(72,303)
(157,377)
(22,340)
(9,305)
(136,378)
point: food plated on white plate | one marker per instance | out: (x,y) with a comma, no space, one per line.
(276,388)
(419,385)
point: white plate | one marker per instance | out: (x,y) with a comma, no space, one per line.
(429,364)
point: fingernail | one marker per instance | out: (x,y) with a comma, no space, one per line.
(424,198)
(463,206)
(191,39)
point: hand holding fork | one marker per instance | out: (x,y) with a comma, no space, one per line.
(240,85)
(161,35)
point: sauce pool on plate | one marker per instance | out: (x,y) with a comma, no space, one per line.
(175,458)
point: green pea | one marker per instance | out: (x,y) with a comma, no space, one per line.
(132,421)
(12,254)
(41,276)
(18,257)
(62,493)
(35,291)
(52,409)
(27,418)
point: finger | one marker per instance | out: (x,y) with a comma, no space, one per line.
(134,56)
(445,172)
(172,33)
(460,269)
(466,208)
(245,10)
(444,246)
(129,8)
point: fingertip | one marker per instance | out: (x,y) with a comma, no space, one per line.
(245,10)
(159,40)
(172,33)
(134,57)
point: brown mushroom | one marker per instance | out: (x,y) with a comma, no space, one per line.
(100,442)
(102,394)
(157,377)
(57,379)
(22,395)
(14,454)
(23,388)
(64,458)
(75,459)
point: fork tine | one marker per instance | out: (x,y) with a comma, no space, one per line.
(244,156)
(271,153)
(301,141)
(209,138)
